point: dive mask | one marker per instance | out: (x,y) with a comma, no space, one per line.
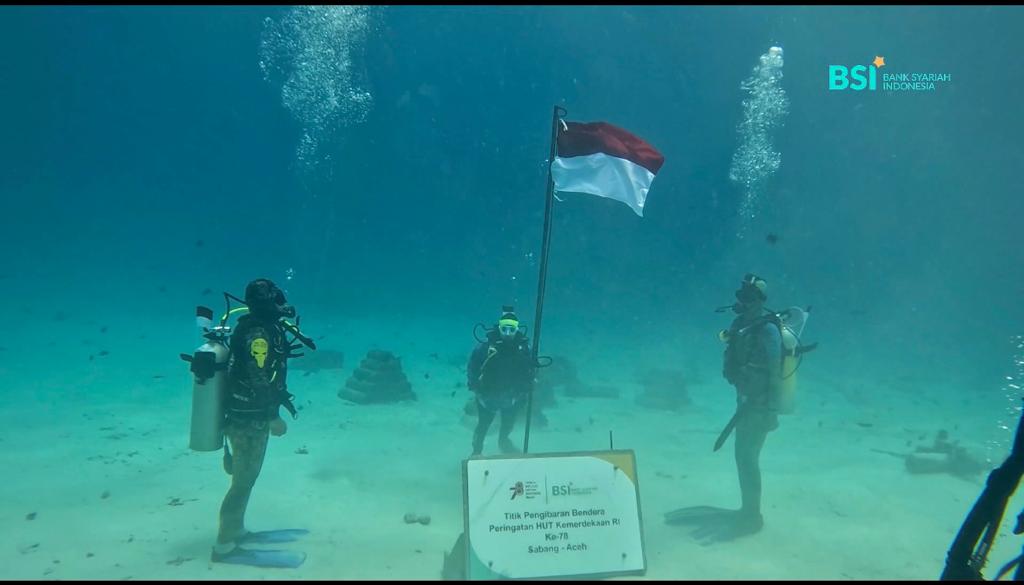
(751,291)
(508,327)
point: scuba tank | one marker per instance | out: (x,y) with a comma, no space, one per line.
(792,322)
(209,365)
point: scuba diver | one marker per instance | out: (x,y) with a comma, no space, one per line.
(256,389)
(759,348)
(501,373)
(968,554)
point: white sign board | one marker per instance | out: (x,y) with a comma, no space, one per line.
(553,515)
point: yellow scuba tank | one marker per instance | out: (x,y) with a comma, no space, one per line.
(209,384)
(792,323)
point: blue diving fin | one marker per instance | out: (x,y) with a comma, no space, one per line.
(272,536)
(275,559)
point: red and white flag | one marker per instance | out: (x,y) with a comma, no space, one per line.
(607,161)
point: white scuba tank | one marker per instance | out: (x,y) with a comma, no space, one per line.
(209,386)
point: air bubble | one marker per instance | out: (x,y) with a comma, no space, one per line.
(315,54)
(756,159)
(1009,420)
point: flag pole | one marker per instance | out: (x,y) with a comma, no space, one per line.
(542,280)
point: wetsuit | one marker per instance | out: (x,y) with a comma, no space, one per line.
(501,373)
(256,390)
(753,360)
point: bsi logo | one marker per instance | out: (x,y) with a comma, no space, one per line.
(860,77)
(569,490)
(863,76)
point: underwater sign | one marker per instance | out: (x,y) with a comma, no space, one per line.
(553,515)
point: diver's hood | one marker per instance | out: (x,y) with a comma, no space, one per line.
(264,298)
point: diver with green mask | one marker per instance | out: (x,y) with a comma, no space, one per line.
(501,373)
(256,390)
(753,363)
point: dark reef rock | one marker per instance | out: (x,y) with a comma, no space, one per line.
(378,379)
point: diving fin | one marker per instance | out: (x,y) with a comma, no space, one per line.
(696,515)
(716,524)
(272,559)
(272,536)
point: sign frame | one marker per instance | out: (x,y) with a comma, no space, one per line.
(629,453)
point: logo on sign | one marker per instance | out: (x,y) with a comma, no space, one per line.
(526,490)
(518,489)
(569,489)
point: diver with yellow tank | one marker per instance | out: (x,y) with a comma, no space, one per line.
(239,386)
(762,354)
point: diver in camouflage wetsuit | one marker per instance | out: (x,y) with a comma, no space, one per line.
(257,388)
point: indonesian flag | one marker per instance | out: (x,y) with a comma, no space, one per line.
(607,161)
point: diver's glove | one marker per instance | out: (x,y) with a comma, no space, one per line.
(278,427)
(286,401)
